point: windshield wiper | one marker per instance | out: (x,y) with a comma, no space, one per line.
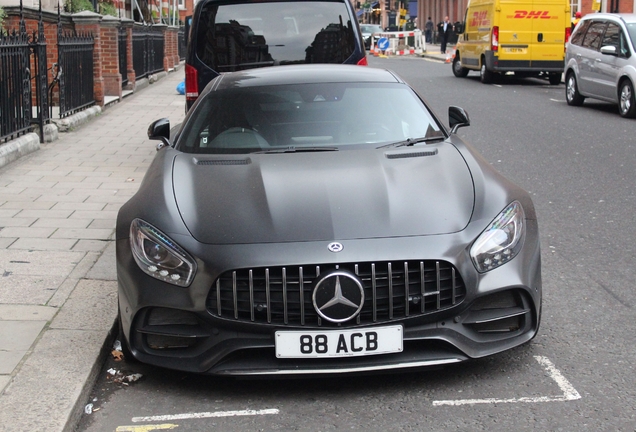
(411,141)
(298,150)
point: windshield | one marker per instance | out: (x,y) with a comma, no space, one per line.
(307,117)
(247,35)
(370,28)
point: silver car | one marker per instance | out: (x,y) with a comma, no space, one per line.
(600,61)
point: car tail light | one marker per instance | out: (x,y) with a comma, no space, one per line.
(494,40)
(191,83)
(363,61)
(568,33)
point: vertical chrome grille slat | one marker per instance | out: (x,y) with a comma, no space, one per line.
(406,288)
(284,295)
(454,287)
(251,277)
(390,277)
(267,296)
(218,296)
(235,295)
(302,295)
(439,282)
(276,295)
(356,270)
(375,295)
(422,287)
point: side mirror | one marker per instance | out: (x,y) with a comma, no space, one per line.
(160,130)
(609,49)
(457,118)
(459,27)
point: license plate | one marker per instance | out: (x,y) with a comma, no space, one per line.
(515,50)
(339,343)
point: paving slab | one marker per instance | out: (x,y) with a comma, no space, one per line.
(58,289)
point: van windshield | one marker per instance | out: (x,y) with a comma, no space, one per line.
(247,35)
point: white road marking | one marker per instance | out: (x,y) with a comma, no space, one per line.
(205,415)
(557,100)
(569,392)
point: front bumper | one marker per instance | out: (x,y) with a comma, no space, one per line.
(175,327)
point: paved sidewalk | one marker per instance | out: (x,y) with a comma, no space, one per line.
(58,286)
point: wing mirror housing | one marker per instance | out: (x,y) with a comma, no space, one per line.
(609,49)
(160,130)
(457,117)
(460,27)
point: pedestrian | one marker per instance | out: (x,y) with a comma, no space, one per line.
(445,29)
(575,21)
(428,30)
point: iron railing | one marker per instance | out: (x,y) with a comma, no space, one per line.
(75,60)
(181,43)
(123,56)
(15,85)
(23,59)
(148,51)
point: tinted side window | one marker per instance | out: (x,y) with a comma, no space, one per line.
(594,35)
(581,28)
(247,35)
(612,36)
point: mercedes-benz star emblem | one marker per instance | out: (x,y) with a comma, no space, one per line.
(335,247)
(338,296)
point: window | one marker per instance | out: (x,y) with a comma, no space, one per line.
(579,33)
(594,35)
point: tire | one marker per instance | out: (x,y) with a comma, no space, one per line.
(555,78)
(458,70)
(572,95)
(626,102)
(484,74)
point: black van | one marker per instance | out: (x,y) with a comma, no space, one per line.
(233,35)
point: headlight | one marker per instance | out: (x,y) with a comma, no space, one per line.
(501,241)
(158,256)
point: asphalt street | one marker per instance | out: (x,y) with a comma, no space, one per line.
(577,374)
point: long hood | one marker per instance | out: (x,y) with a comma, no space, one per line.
(323,196)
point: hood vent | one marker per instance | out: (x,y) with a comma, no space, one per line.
(411,154)
(246,161)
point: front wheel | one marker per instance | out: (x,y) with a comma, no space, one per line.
(572,95)
(626,103)
(484,74)
(458,70)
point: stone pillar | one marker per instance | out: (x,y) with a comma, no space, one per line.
(127,24)
(172,46)
(89,23)
(109,38)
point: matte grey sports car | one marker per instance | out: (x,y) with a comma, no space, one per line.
(283,232)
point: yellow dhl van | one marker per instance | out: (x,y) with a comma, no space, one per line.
(526,37)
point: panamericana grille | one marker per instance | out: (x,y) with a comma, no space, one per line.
(283,295)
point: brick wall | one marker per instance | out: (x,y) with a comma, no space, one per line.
(107,77)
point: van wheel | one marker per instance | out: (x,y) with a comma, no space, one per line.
(555,78)
(626,103)
(484,74)
(572,95)
(458,70)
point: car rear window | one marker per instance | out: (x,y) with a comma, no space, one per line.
(238,36)
(244,120)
